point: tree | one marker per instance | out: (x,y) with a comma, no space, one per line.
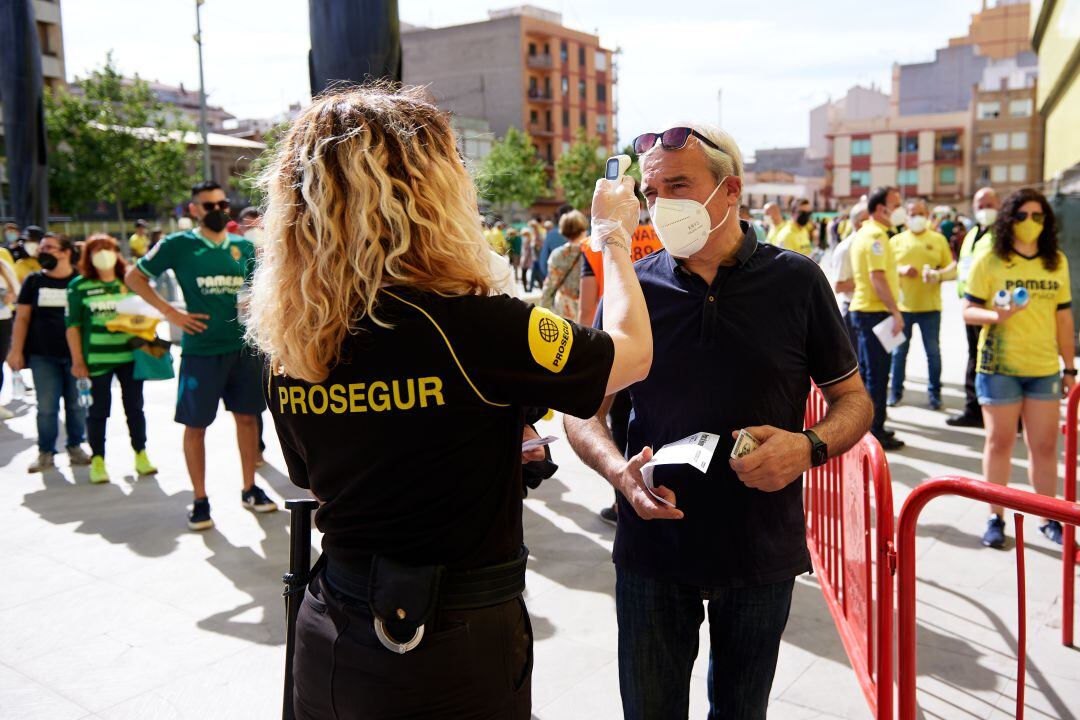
(112,140)
(577,169)
(634,170)
(512,172)
(248,183)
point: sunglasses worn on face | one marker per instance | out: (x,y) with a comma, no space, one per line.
(672,139)
(1036,216)
(220,205)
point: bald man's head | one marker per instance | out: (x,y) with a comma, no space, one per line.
(986,198)
(772,211)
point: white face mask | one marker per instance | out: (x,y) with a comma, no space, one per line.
(683,225)
(898,217)
(255,235)
(986,217)
(31,248)
(918,224)
(104,260)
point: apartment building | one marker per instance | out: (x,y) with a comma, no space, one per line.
(1007,131)
(520,68)
(1055,38)
(1000,29)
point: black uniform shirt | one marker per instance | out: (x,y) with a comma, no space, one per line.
(413,442)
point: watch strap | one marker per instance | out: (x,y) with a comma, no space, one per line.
(819,451)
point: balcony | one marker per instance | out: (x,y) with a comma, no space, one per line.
(948,154)
(539,96)
(538,130)
(540,62)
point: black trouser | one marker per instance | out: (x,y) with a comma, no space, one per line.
(131,390)
(5,345)
(971,400)
(470,664)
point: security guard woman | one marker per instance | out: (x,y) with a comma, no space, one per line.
(398,385)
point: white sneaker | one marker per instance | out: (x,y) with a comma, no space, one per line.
(5,414)
(44,462)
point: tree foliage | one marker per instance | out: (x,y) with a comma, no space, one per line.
(578,168)
(248,183)
(512,172)
(112,140)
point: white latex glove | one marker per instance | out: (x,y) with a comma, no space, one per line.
(614,210)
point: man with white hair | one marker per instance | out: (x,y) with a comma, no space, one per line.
(843,276)
(730,353)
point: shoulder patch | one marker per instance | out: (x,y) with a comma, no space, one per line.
(877,248)
(550,339)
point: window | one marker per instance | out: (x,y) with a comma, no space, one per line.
(564,52)
(860,178)
(547,87)
(907,176)
(533,117)
(581,56)
(547,49)
(565,146)
(860,147)
(601,92)
(988,110)
(532,49)
(601,124)
(984,173)
(1018,141)
(566,118)
(950,142)
(947,176)
(547,119)
(581,89)
(1018,173)
(999,173)
(581,119)
(565,85)
(600,60)
(551,157)
(533,87)
(1020,108)
(909,144)
(985,142)
(1001,141)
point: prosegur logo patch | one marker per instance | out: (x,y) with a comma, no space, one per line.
(550,339)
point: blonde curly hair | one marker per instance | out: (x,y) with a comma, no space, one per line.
(366,191)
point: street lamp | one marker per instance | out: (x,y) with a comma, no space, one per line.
(202,94)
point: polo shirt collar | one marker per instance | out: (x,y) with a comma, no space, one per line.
(210,243)
(742,255)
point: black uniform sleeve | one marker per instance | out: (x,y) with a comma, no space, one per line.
(829,354)
(294,461)
(28,293)
(525,355)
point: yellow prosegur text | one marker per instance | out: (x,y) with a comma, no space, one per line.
(377,396)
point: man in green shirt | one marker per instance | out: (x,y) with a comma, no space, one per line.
(211,267)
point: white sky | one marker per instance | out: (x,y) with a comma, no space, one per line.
(774,59)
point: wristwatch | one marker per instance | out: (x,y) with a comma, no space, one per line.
(819,451)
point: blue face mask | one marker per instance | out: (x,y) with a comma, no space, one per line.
(11,236)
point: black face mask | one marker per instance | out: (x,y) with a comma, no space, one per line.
(215,220)
(47,261)
(802,218)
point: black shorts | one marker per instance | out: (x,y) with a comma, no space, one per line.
(472,663)
(205,380)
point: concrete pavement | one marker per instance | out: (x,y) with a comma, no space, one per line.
(114,610)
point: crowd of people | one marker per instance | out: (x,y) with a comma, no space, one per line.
(400,321)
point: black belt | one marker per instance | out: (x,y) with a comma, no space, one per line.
(459,589)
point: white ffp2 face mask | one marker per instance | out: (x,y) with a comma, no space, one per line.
(104,260)
(986,217)
(898,217)
(683,225)
(918,223)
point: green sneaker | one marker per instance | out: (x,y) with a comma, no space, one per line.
(98,473)
(143,466)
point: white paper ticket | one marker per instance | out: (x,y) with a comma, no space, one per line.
(696,450)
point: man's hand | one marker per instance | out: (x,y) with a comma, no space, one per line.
(898,323)
(631,484)
(191,323)
(534,454)
(782,457)
(16,361)
(80,370)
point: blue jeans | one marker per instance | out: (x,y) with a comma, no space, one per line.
(53,380)
(658,642)
(929,328)
(873,364)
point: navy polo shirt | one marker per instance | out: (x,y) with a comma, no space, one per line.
(737,353)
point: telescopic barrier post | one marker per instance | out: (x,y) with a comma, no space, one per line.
(296,581)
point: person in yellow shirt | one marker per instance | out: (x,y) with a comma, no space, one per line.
(139,242)
(9,291)
(773,219)
(923,260)
(26,258)
(795,233)
(1019,293)
(873,268)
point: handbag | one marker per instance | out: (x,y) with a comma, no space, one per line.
(150,367)
(555,292)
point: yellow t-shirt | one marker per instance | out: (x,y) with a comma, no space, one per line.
(870,251)
(5,310)
(792,237)
(26,266)
(929,248)
(1026,343)
(139,244)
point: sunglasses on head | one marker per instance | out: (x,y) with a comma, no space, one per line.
(672,139)
(212,206)
(1036,216)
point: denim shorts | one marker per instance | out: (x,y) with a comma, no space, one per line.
(1009,389)
(205,380)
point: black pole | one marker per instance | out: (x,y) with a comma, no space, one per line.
(296,581)
(353,41)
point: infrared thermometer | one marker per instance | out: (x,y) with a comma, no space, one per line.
(616,167)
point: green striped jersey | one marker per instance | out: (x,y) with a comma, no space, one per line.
(91,304)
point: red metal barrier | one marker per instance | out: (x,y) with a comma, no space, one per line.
(853,564)
(1069,556)
(1063,511)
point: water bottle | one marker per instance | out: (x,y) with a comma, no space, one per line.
(1003,299)
(85,398)
(18,387)
(1020,296)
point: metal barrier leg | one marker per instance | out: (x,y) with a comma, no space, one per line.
(296,581)
(1021,617)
